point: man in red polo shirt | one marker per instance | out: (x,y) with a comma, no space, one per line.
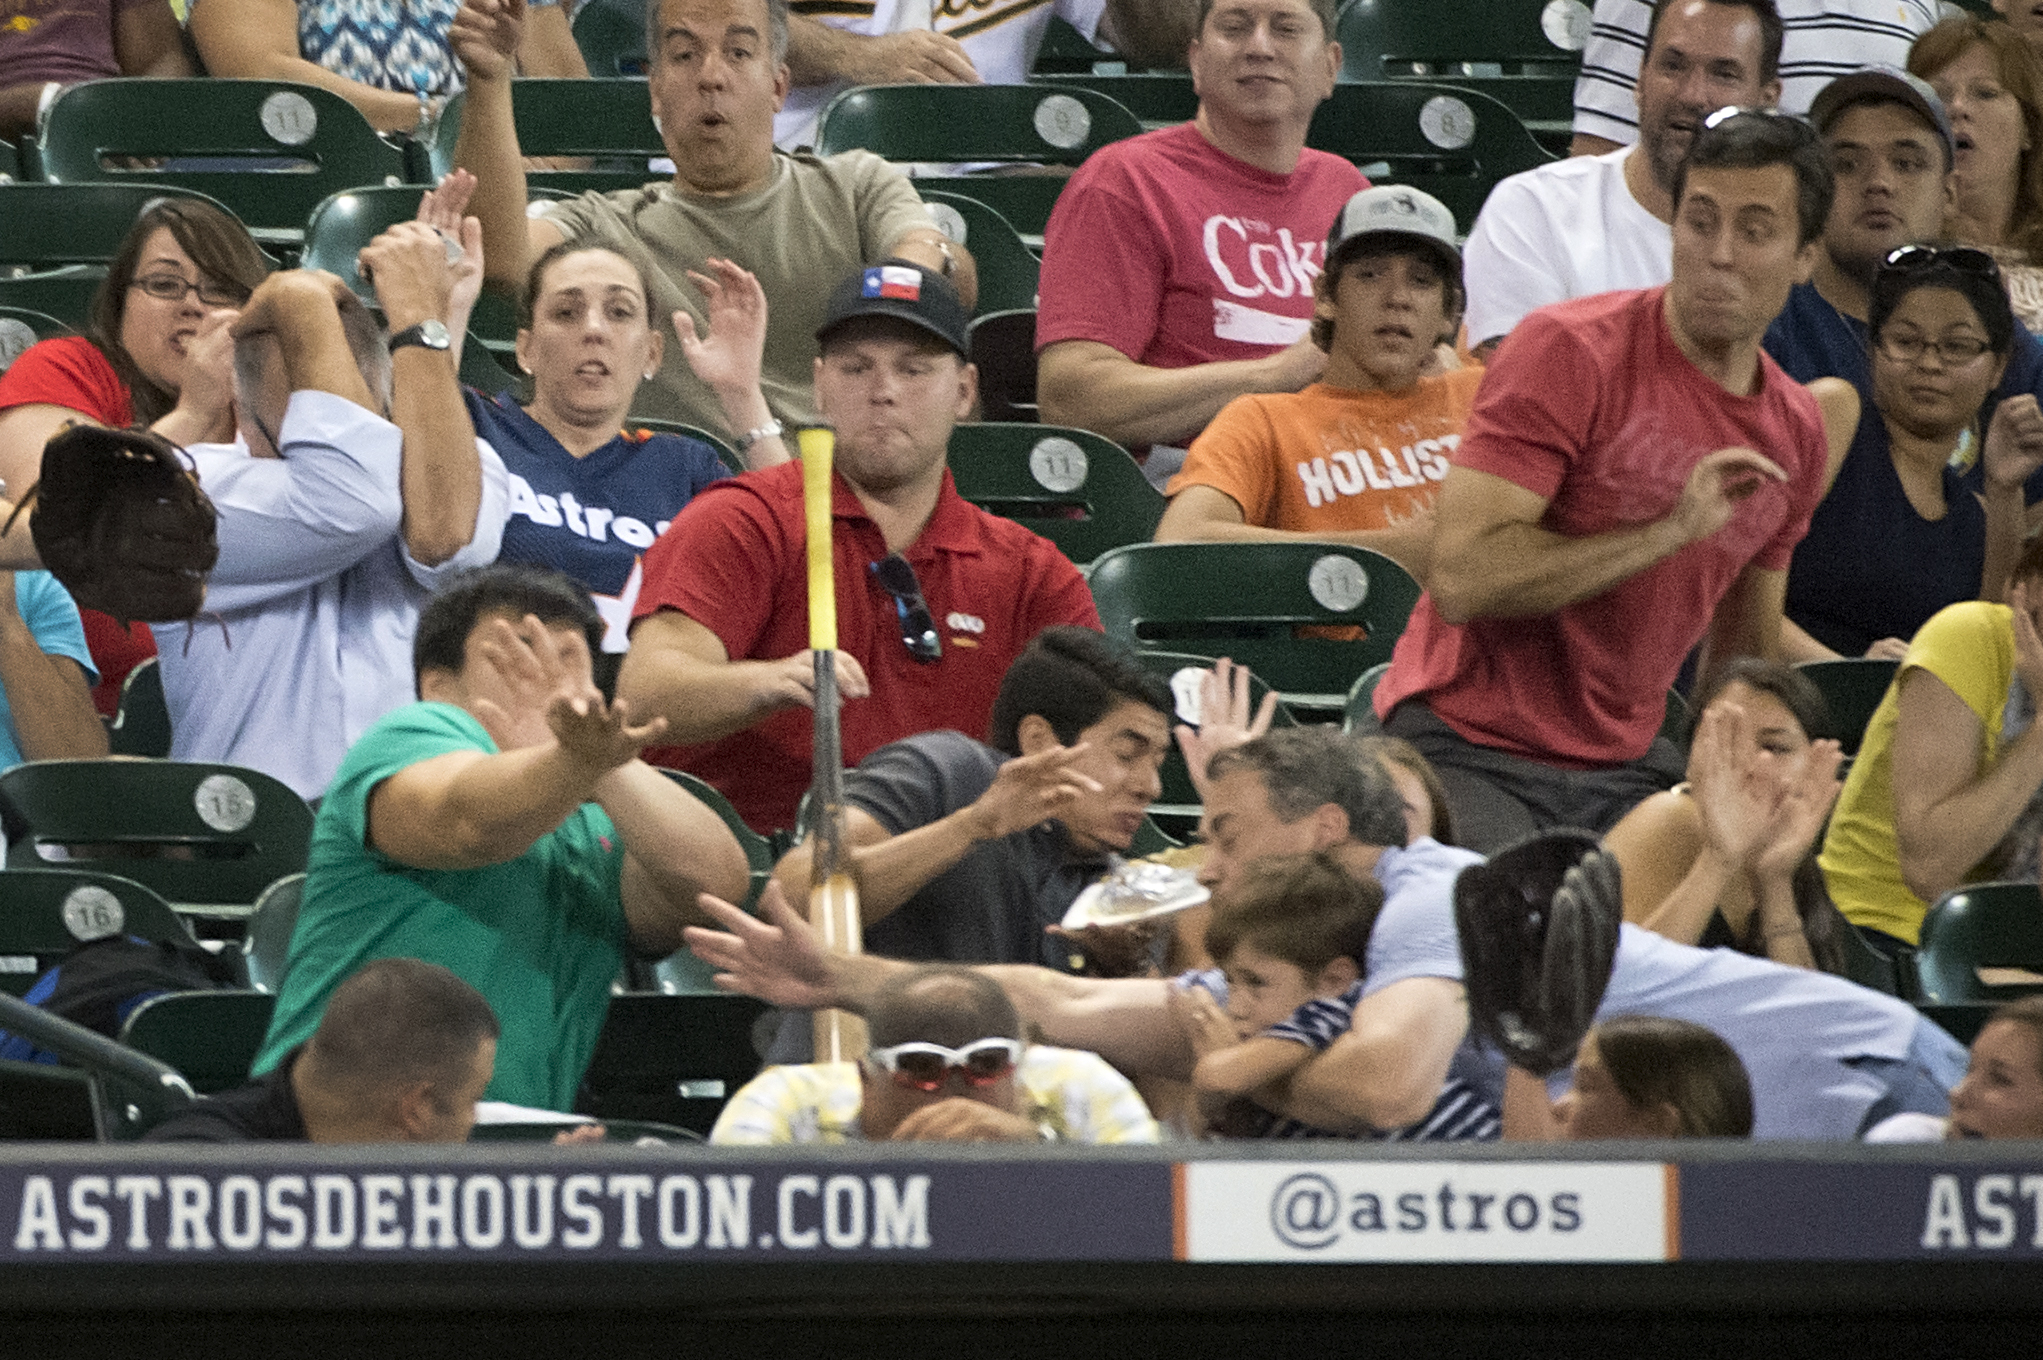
(934,596)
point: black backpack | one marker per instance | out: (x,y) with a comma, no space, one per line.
(101,982)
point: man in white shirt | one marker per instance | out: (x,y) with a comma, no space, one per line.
(1596,224)
(1821,40)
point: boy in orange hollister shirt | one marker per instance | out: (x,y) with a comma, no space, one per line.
(1357,457)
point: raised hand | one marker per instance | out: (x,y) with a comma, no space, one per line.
(485,35)
(206,388)
(774,956)
(1031,789)
(1206,1027)
(408,267)
(443,208)
(1224,718)
(1734,794)
(1715,487)
(727,357)
(2014,443)
(791,681)
(1803,811)
(535,686)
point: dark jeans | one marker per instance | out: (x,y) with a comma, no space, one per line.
(1499,798)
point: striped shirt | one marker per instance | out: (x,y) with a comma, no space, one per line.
(1819,42)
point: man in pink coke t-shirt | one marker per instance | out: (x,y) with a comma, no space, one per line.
(1632,481)
(1178,265)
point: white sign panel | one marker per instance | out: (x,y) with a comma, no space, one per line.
(1425,1211)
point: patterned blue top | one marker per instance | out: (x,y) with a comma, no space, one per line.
(388,44)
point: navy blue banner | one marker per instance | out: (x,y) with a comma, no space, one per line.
(562,1208)
(1815,1211)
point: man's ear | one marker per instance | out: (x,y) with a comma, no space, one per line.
(413,1111)
(1329,826)
(1034,734)
(439,685)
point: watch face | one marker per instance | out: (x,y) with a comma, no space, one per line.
(434,334)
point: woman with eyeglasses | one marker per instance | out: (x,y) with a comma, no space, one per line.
(1926,509)
(155,352)
(1991,83)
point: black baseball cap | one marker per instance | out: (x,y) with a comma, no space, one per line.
(907,292)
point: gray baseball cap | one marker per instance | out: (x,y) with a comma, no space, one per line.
(1394,210)
(1887,83)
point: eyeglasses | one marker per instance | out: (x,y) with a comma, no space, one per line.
(173,288)
(1954,351)
(924,1067)
(918,627)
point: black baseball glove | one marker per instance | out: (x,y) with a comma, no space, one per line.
(1539,926)
(120,519)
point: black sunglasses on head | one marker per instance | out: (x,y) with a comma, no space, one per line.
(1964,259)
(918,628)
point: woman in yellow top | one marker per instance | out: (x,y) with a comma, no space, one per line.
(1960,720)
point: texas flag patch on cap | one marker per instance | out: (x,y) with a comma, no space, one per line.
(893,281)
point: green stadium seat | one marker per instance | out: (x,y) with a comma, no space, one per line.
(63,295)
(1358,715)
(1023,198)
(46,913)
(609,121)
(1981,926)
(269,150)
(612,36)
(1079,490)
(1004,352)
(1248,601)
(1007,268)
(43,226)
(1524,53)
(266,948)
(211,1037)
(1454,144)
(972,123)
(112,1093)
(42,1103)
(208,838)
(1852,689)
(672,1059)
(1176,810)
(727,455)
(1158,98)
(20,328)
(142,727)
(1066,49)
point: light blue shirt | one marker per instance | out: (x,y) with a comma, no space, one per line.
(306,637)
(1414,935)
(52,619)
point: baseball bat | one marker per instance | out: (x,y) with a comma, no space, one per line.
(833,892)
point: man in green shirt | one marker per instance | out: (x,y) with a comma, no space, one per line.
(505,828)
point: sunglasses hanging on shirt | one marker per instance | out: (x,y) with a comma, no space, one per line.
(918,627)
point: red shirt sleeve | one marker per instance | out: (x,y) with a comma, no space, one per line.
(1103,266)
(1532,413)
(68,371)
(719,563)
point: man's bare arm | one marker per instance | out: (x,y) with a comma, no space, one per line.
(928,246)
(486,34)
(679,669)
(1204,514)
(1747,621)
(1096,387)
(818,53)
(1493,558)
(675,850)
(1387,1070)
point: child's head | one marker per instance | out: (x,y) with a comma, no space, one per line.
(1289,928)
(2002,1093)
(1646,1076)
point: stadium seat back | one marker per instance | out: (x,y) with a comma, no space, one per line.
(970,123)
(1079,490)
(208,838)
(1007,269)
(726,455)
(1524,53)
(1358,715)
(269,150)
(1852,690)
(62,295)
(1454,144)
(142,726)
(672,1059)
(43,226)
(612,37)
(609,121)
(1004,352)
(266,948)
(1158,98)
(211,1037)
(1982,942)
(1249,601)
(46,913)
(21,327)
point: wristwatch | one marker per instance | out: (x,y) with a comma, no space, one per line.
(426,335)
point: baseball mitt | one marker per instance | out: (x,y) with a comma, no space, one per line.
(119,518)
(1539,928)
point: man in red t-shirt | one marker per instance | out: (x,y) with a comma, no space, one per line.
(1178,265)
(1633,478)
(934,596)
